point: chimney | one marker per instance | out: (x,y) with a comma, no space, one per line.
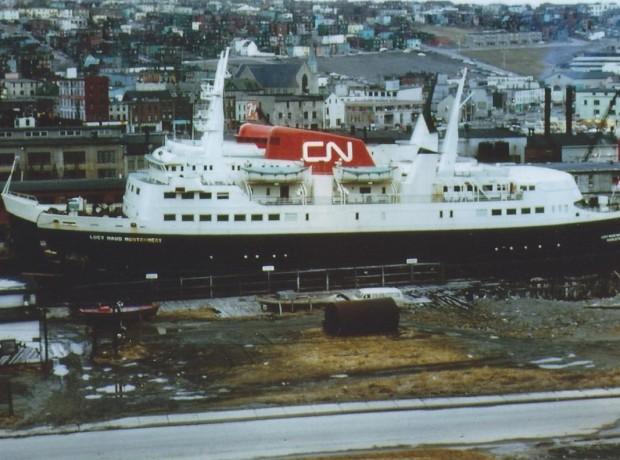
(547,111)
(570,97)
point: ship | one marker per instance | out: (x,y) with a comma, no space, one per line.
(282,198)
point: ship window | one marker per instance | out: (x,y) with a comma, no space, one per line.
(274,217)
(137,190)
(307,216)
(222,217)
(470,188)
(173,168)
(441,214)
(169,194)
(357,216)
(169,217)
(205,217)
(187,218)
(487,188)
(526,211)
(451,213)
(205,195)
(532,187)
(257,217)
(222,195)
(364,189)
(232,167)
(511,212)
(445,188)
(239,217)
(187,195)
(496,212)
(523,188)
(457,188)
(540,210)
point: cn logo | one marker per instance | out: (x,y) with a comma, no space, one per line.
(317,151)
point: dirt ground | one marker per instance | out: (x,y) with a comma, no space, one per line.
(193,359)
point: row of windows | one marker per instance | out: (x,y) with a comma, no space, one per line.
(182,168)
(192,195)
(227,217)
(41,133)
(133,188)
(513,211)
(486,188)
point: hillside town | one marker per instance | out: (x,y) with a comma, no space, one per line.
(88,88)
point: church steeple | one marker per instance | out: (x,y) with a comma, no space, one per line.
(312,63)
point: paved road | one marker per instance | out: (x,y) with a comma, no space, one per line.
(327,433)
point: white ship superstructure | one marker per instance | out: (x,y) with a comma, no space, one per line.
(296,199)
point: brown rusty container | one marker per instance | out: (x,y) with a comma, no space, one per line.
(359,317)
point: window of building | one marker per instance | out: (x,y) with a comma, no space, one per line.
(6,158)
(496,212)
(106,156)
(239,217)
(205,217)
(74,157)
(274,217)
(39,158)
(222,195)
(187,218)
(106,173)
(169,217)
(222,217)
(257,217)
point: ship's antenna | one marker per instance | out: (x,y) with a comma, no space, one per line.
(451,139)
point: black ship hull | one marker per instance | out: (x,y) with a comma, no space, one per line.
(565,248)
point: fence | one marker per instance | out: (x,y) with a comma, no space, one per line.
(243,284)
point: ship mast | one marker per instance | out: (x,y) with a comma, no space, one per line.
(212,120)
(451,139)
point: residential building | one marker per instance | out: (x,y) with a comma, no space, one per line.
(84,99)
(14,87)
(501,39)
(54,153)
(288,78)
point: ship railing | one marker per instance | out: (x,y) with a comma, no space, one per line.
(475,197)
(282,201)
(366,198)
(23,195)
